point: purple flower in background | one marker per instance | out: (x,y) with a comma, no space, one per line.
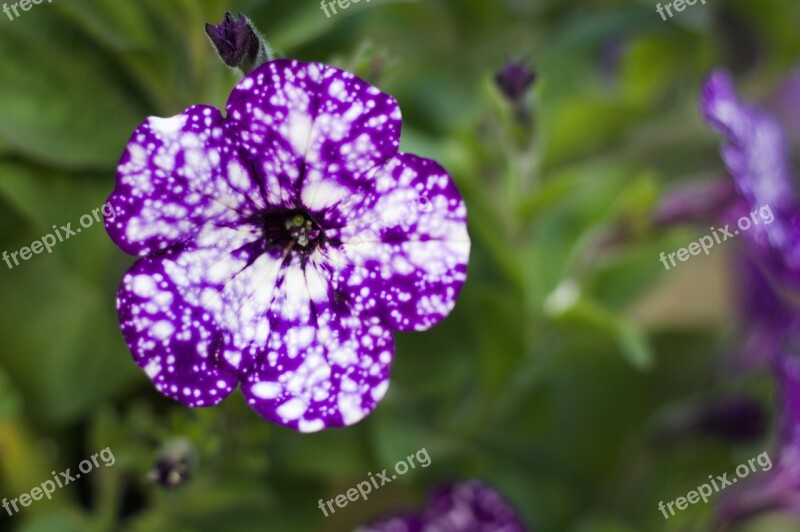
(470,506)
(281,244)
(736,419)
(773,332)
(768,317)
(778,487)
(757,156)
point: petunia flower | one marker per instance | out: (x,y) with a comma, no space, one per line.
(281,244)
(469,506)
(757,156)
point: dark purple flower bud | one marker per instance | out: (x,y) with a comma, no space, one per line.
(515,79)
(238,43)
(737,419)
(611,55)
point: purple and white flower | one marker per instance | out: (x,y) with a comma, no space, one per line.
(265,258)
(756,153)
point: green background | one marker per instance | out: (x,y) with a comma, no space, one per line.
(566,346)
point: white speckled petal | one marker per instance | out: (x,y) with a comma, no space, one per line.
(194,317)
(315,130)
(405,246)
(177,174)
(323,366)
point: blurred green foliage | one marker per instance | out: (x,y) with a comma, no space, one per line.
(566,343)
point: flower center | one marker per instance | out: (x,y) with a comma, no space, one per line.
(291,229)
(302,229)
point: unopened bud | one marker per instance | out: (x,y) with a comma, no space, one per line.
(238,43)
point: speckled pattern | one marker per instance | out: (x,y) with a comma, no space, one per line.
(757,155)
(281,244)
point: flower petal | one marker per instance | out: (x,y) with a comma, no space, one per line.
(314,129)
(405,246)
(175,175)
(757,157)
(767,317)
(470,505)
(194,317)
(756,152)
(356,129)
(323,366)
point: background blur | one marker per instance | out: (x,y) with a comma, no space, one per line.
(571,351)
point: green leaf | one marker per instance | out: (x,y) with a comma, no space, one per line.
(66,106)
(568,305)
(121,26)
(64,347)
(63,344)
(63,521)
(45,199)
(10,401)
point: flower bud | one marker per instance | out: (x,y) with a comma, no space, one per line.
(515,79)
(238,43)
